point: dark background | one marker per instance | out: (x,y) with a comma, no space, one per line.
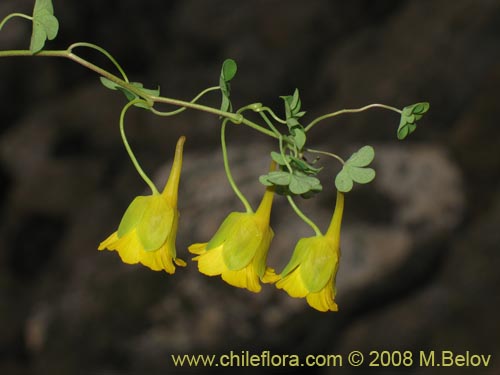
(420,245)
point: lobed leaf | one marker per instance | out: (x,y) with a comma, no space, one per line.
(362,157)
(409,116)
(343,182)
(279,178)
(45,25)
(361,175)
(354,170)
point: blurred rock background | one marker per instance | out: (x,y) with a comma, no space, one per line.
(420,245)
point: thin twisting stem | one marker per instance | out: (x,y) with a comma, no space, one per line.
(148,98)
(104,52)
(270,124)
(129,150)
(356,110)
(13,15)
(235,188)
(303,216)
(342,161)
(182,109)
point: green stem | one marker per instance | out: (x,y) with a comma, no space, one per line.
(13,15)
(182,109)
(148,98)
(282,152)
(270,124)
(104,52)
(237,191)
(303,216)
(356,110)
(326,153)
(129,150)
(273,115)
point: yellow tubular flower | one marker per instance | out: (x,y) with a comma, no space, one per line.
(238,250)
(311,271)
(148,228)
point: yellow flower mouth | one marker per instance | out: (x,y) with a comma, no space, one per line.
(130,250)
(211,263)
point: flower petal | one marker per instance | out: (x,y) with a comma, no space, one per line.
(293,284)
(324,299)
(198,248)
(244,278)
(130,250)
(269,276)
(211,262)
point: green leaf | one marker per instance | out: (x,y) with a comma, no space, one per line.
(228,72)
(420,108)
(409,116)
(263,180)
(361,175)
(278,158)
(354,171)
(279,178)
(129,94)
(303,166)
(300,184)
(403,132)
(295,102)
(108,83)
(362,157)
(343,182)
(314,190)
(229,69)
(292,122)
(45,25)
(299,138)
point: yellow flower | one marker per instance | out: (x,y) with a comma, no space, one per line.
(311,271)
(238,250)
(148,228)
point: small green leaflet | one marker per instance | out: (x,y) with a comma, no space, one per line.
(296,183)
(292,107)
(409,117)
(130,95)
(293,114)
(279,159)
(301,184)
(280,178)
(227,73)
(354,170)
(45,25)
(299,137)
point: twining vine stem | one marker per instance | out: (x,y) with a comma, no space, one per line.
(235,118)
(148,98)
